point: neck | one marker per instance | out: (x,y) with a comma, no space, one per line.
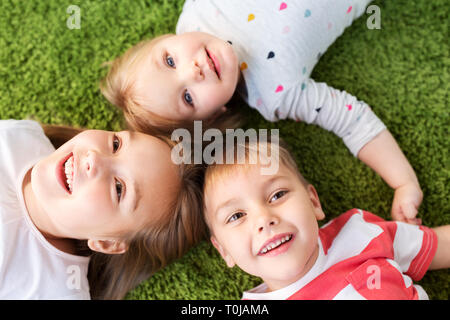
(40,218)
(275,284)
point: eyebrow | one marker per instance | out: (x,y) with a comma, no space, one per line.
(273,180)
(137,193)
(156,60)
(232,201)
(225,204)
(138,196)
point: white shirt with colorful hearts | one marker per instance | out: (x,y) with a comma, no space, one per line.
(278,43)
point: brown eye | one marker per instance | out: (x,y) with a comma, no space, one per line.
(116,144)
(119,189)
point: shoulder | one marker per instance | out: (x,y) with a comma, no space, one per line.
(352,231)
(53,275)
(21,143)
(18,125)
(14,132)
(23,131)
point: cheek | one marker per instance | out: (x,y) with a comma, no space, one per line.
(239,247)
(44,174)
(44,181)
(92,204)
(85,212)
(214,97)
(94,199)
(308,230)
(303,220)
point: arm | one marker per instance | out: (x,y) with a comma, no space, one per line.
(384,156)
(333,110)
(441,259)
(365,136)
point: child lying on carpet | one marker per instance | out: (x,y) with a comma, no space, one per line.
(266,51)
(93,204)
(267,225)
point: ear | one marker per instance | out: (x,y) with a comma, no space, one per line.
(108,246)
(228,259)
(314,197)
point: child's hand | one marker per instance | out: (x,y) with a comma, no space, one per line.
(384,156)
(407,199)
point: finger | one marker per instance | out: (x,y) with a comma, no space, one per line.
(397,214)
(409,210)
(415,221)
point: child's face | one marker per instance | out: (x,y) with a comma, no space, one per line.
(248,213)
(118,182)
(189,76)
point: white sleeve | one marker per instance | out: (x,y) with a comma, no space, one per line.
(414,248)
(332,109)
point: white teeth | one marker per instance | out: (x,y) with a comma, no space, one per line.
(275,244)
(68,170)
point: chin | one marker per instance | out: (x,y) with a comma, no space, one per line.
(41,182)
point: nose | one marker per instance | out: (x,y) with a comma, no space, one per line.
(266,220)
(92,163)
(193,71)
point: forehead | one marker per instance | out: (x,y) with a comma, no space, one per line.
(148,157)
(156,176)
(146,144)
(155,86)
(240,182)
(187,38)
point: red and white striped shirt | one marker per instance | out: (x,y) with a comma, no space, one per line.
(362,256)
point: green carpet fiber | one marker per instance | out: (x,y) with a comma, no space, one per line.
(50,73)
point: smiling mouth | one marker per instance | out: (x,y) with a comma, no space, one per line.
(68,170)
(277,243)
(65,173)
(213,64)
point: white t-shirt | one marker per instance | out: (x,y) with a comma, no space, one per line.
(278,44)
(30,267)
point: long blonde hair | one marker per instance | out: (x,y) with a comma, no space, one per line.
(152,247)
(119,88)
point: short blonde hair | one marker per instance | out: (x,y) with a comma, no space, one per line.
(216,172)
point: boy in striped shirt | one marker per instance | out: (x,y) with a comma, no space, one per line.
(267,225)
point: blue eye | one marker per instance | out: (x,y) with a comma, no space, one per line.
(170,62)
(235,217)
(188,98)
(278,195)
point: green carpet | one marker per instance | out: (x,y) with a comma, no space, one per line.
(50,73)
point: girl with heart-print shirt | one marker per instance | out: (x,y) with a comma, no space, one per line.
(264,50)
